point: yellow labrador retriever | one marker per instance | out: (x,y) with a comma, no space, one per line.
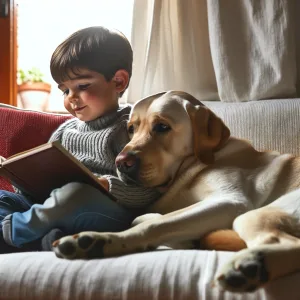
(211,181)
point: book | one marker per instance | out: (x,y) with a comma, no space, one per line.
(40,170)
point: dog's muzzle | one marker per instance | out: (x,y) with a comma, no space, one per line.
(128,164)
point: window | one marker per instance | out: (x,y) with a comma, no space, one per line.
(43,24)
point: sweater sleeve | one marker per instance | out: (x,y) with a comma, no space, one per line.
(132,196)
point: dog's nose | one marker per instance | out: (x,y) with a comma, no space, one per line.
(128,163)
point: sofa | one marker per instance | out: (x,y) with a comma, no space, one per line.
(162,274)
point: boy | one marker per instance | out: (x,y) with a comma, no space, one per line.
(92,68)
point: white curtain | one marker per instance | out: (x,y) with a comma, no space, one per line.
(228,50)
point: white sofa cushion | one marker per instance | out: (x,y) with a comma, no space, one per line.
(154,275)
(268,124)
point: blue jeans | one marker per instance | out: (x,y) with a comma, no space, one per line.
(73,208)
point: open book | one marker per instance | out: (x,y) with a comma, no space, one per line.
(40,170)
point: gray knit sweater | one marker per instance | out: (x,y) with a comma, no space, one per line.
(96,144)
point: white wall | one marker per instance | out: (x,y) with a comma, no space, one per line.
(43,24)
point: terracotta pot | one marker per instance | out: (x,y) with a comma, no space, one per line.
(34,86)
(34,95)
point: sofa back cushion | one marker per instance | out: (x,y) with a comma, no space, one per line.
(21,130)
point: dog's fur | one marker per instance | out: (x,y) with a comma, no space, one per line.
(211,181)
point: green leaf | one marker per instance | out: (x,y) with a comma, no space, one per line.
(32,75)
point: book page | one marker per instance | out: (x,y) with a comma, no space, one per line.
(2,159)
(28,152)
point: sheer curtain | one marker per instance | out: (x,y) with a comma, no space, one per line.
(231,51)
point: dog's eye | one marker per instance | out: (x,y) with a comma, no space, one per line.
(131,129)
(161,128)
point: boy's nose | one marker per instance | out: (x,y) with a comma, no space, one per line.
(73,98)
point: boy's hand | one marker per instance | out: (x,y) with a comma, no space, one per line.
(104,182)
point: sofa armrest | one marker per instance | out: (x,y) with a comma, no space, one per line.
(21,130)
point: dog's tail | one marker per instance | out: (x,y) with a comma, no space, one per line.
(222,240)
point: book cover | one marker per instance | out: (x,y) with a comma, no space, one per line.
(40,170)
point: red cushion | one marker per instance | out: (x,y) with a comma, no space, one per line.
(21,130)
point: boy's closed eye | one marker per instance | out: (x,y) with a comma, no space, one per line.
(83,87)
(80,87)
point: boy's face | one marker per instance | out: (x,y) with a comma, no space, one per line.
(87,95)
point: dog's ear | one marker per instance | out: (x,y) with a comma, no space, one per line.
(209,132)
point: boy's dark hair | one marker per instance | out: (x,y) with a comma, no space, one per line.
(95,48)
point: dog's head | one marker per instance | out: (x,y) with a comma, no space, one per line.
(165,129)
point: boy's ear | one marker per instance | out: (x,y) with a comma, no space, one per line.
(121,80)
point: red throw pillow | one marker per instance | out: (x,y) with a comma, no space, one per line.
(22,130)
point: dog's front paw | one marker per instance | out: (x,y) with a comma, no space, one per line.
(91,244)
(246,272)
(82,245)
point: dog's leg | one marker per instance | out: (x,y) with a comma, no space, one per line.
(271,235)
(178,245)
(144,218)
(189,223)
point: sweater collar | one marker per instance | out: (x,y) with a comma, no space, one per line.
(106,120)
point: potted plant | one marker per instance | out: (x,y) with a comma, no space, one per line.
(33,91)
